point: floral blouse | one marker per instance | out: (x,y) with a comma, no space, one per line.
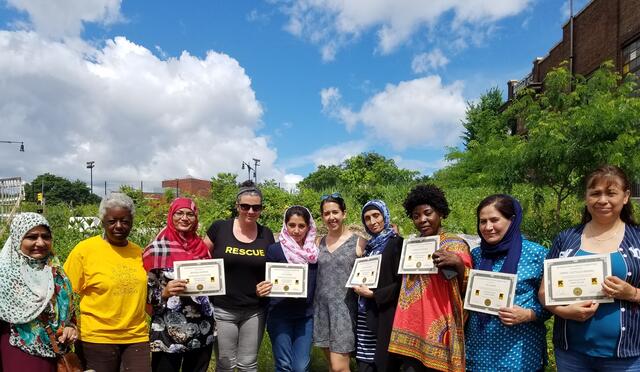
(180,323)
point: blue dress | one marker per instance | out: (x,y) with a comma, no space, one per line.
(496,347)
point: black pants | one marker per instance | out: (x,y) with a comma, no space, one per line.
(190,361)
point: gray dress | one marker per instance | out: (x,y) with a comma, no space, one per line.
(334,305)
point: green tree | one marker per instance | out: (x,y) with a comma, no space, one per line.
(483,120)
(323,178)
(59,190)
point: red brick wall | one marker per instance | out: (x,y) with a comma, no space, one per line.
(191,186)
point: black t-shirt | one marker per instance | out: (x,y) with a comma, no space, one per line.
(243,264)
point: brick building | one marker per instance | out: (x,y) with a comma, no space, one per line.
(603,30)
(188,185)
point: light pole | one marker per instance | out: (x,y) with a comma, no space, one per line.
(16,142)
(90,165)
(256,164)
(249,169)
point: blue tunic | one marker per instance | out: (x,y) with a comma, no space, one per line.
(523,347)
(598,336)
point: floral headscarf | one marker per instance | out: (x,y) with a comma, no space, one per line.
(294,253)
(26,284)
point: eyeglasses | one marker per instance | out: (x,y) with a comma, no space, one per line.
(189,215)
(246,207)
(335,195)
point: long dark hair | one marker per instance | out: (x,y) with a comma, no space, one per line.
(611,175)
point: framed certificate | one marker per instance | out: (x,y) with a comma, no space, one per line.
(365,272)
(574,279)
(204,277)
(416,256)
(488,291)
(288,280)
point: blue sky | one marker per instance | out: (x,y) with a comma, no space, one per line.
(162,89)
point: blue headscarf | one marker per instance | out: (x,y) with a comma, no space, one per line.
(510,245)
(378,241)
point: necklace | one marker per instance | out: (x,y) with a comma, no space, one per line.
(615,233)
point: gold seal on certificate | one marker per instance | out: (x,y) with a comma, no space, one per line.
(574,279)
(204,277)
(365,272)
(488,291)
(288,280)
(416,255)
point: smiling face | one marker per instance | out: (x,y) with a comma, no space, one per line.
(36,243)
(605,199)
(184,220)
(117,224)
(332,216)
(249,207)
(492,224)
(426,219)
(374,220)
(297,228)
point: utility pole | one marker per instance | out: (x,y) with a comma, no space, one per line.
(256,164)
(90,165)
(249,169)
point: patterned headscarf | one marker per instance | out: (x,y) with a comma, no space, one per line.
(378,241)
(27,284)
(172,245)
(294,253)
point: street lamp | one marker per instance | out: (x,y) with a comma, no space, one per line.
(90,165)
(249,169)
(16,142)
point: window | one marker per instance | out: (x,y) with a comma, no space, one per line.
(631,58)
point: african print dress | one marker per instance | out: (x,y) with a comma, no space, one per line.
(429,320)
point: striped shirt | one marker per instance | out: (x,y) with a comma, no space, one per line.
(567,244)
(365,340)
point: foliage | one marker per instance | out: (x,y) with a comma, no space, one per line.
(572,126)
(59,190)
(483,120)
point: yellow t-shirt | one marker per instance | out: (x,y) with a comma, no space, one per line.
(112,285)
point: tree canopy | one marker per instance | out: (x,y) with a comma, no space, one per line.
(60,190)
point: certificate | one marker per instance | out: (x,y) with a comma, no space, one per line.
(488,291)
(365,272)
(288,280)
(574,279)
(204,277)
(416,256)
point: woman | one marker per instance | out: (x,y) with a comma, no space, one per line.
(242,243)
(290,320)
(36,298)
(106,272)
(515,339)
(181,326)
(592,336)
(334,304)
(428,326)
(376,307)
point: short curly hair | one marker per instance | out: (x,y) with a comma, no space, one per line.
(426,194)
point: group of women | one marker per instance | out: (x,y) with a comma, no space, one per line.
(409,322)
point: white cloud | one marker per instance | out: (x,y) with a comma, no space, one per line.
(424,167)
(430,61)
(332,24)
(290,181)
(65,18)
(329,155)
(137,116)
(417,113)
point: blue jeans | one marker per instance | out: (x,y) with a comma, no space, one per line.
(290,342)
(572,361)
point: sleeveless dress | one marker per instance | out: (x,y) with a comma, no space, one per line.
(334,305)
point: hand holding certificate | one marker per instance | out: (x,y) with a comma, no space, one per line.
(365,272)
(488,291)
(287,280)
(576,279)
(416,256)
(203,277)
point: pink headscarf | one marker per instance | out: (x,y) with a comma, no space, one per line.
(294,253)
(171,245)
